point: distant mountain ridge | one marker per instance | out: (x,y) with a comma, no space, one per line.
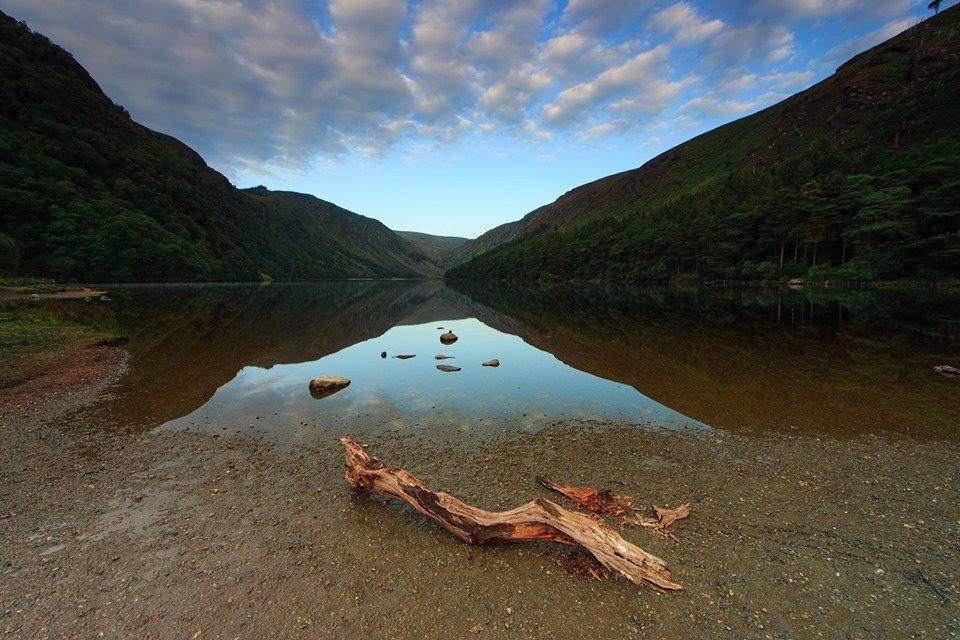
(855,170)
(88,194)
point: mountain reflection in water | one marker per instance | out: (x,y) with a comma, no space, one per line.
(747,360)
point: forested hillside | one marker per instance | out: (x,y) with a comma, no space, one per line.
(86,193)
(852,179)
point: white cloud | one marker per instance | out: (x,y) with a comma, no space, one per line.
(750,42)
(603,16)
(846,50)
(789,80)
(687,25)
(860,9)
(640,78)
(511,97)
(714,108)
(513,38)
(287,83)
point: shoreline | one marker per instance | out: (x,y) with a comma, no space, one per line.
(158,535)
(14,293)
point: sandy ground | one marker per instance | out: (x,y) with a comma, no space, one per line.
(189,535)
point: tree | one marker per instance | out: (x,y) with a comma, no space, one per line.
(9,254)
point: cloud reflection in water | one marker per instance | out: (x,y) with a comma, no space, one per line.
(528,390)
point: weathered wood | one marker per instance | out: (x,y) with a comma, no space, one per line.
(605,501)
(602,500)
(537,520)
(659,518)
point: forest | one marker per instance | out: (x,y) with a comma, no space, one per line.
(816,219)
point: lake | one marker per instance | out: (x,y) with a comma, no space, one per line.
(204,491)
(240,357)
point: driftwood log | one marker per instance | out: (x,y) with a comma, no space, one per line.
(537,520)
(605,501)
(602,500)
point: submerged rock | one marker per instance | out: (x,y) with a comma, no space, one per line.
(440,356)
(323,386)
(947,370)
(405,356)
(448,338)
(492,363)
(448,368)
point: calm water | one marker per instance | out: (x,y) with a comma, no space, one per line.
(240,358)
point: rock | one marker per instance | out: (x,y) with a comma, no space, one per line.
(104,298)
(405,356)
(796,282)
(323,386)
(34,296)
(383,354)
(448,338)
(947,370)
(492,363)
(442,357)
(448,368)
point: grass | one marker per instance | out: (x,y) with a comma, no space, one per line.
(32,332)
(10,281)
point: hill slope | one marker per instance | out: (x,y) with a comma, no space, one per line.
(436,248)
(854,171)
(86,193)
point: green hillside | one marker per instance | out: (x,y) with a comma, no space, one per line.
(436,248)
(88,194)
(854,178)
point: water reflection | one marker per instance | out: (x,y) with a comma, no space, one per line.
(529,389)
(832,361)
(219,357)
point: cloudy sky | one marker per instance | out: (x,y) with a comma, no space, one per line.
(451,116)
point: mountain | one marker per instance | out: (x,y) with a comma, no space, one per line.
(436,248)
(88,194)
(854,178)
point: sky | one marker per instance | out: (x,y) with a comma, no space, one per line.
(451,117)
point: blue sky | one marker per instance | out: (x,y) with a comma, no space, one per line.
(451,116)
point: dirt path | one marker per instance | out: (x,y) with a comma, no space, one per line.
(186,535)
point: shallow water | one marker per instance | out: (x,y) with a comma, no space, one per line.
(748,360)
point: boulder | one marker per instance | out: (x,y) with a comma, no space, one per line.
(442,357)
(405,356)
(448,338)
(323,386)
(448,368)
(492,363)
(947,370)
(383,354)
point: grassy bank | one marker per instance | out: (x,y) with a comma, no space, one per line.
(31,334)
